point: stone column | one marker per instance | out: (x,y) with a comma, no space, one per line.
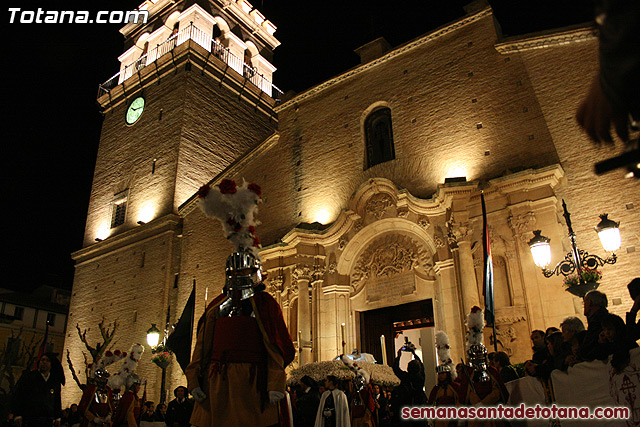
(468,281)
(302,276)
(460,242)
(316,285)
(448,307)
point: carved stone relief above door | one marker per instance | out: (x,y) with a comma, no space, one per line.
(388,266)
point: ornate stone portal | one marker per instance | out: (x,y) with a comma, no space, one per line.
(391,248)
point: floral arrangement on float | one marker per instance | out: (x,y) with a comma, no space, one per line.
(319,371)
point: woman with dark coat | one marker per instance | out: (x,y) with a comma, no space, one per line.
(307,402)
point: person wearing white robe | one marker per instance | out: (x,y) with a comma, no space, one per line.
(340,413)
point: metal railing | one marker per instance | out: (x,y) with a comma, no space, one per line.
(208,43)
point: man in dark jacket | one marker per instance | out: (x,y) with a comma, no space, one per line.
(633,327)
(307,402)
(595,309)
(410,392)
(179,409)
(540,352)
(36,400)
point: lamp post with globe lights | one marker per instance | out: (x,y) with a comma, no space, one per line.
(162,356)
(577,261)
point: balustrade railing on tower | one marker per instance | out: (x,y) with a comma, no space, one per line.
(205,41)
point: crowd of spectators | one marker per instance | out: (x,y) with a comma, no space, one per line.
(337,403)
(606,335)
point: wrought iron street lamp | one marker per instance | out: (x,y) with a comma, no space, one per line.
(153,336)
(153,339)
(576,260)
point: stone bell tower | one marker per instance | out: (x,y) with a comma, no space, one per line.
(194,93)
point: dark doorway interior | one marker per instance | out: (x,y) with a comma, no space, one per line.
(389,321)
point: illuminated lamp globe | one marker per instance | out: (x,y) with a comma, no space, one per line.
(153,336)
(609,234)
(540,249)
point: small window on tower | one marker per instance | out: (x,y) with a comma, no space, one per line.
(51,319)
(18,313)
(119,209)
(378,135)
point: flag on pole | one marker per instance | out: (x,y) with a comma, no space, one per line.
(487,288)
(180,340)
(43,347)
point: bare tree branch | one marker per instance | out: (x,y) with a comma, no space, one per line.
(30,351)
(83,338)
(73,371)
(10,357)
(107,333)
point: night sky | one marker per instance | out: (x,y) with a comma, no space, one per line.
(51,120)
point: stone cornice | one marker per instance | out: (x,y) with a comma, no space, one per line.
(337,289)
(443,265)
(447,29)
(355,218)
(530,178)
(326,237)
(171,223)
(547,39)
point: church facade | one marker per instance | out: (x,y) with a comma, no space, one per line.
(371,216)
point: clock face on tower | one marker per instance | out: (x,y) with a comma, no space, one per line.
(135,110)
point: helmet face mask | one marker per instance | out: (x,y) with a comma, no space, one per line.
(478,361)
(243,272)
(101,377)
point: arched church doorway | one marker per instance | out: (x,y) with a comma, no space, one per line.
(412,322)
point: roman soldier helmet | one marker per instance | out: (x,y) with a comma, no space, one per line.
(476,350)
(101,377)
(102,374)
(243,271)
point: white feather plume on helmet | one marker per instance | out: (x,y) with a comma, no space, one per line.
(444,354)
